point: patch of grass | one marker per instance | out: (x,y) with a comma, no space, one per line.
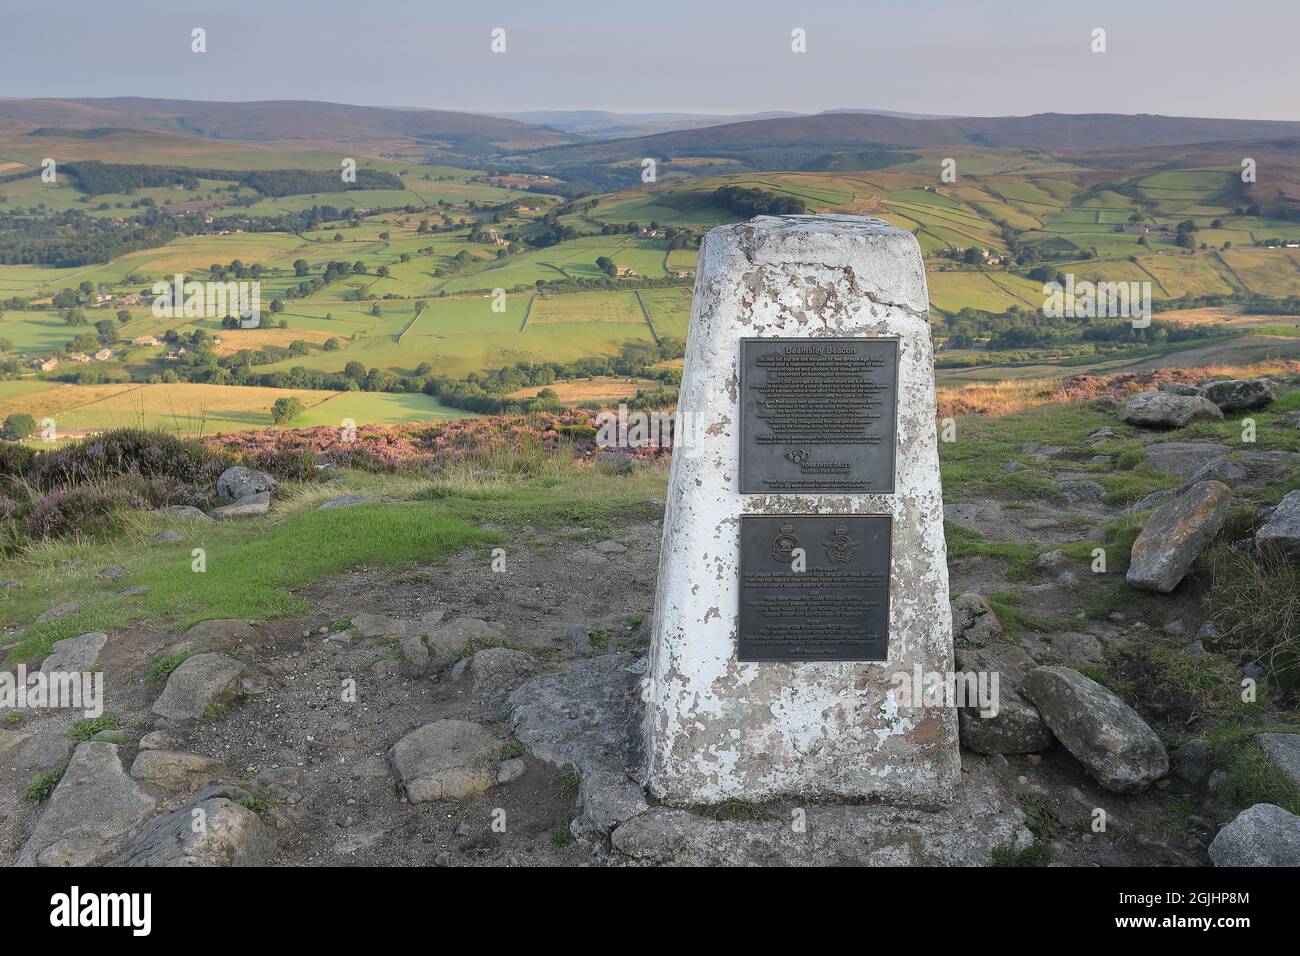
(512,750)
(562,836)
(11,720)
(1042,821)
(1106,679)
(963,543)
(256,804)
(569,784)
(161,667)
(599,638)
(213,711)
(87,727)
(1252,777)
(1036,854)
(1254,600)
(43,784)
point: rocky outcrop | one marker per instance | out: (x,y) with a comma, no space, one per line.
(201,682)
(1115,745)
(1165,410)
(175,770)
(239,482)
(974,622)
(74,653)
(495,672)
(1242,394)
(588,718)
(1015,727)
(248,506)
(446,760)
(210,832)
(92,809)
(1262,835)
(1176,534)
(1280,534)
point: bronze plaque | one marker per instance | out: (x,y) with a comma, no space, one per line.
(814,587)
(817,416)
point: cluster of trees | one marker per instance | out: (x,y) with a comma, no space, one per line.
(746,202)
(97,178)
(1020,328)
(73,238)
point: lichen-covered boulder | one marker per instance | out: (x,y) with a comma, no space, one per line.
(1280,534)
(1106,735)
(1241,394)
(1166,410)
(1176,534)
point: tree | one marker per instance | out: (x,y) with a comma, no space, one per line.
(285,410)
(19,426)
(123,316)
(300,267)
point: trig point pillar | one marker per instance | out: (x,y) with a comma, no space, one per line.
(803,573)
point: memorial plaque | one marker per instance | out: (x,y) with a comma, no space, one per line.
(835,609)
(817,415)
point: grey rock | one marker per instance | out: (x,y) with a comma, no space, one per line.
(163,537)
(1178,388)
(495,672)
(1262,835)
(1183,458)
(588,718)
(158,740)
(974,622)
(1012,467)
(1049,560)
(184,511)
(1176,534)
(1077,648)
(1016,727)
(1115,745)
(248,506)
(1194,649)
(114,572)
(202,681)
(415,653)
(446,760)
(58,611)
(446,641)
(231,835)
(1079,491)
(578,640)
(1191,763)
(966,833)
(94,806)
(176,771)
(1222,469)
(376,625)
(1165,410)
(1280,534)
(608,547)
(218,634)
(430,619)
(1284,751)
(75,653)
(511,770)
(39,750)
(1103,432)
(1242,395)
(347,501)
(239,482)
(1101,460)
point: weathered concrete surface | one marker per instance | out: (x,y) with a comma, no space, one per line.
(966,833)
(717,728)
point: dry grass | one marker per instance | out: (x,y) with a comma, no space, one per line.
(232,340)
(601,388)
(1016,395)
(1255,602)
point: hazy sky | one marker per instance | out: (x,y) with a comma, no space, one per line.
(968,57)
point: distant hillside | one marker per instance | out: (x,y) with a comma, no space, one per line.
(839,130)
(283,121)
